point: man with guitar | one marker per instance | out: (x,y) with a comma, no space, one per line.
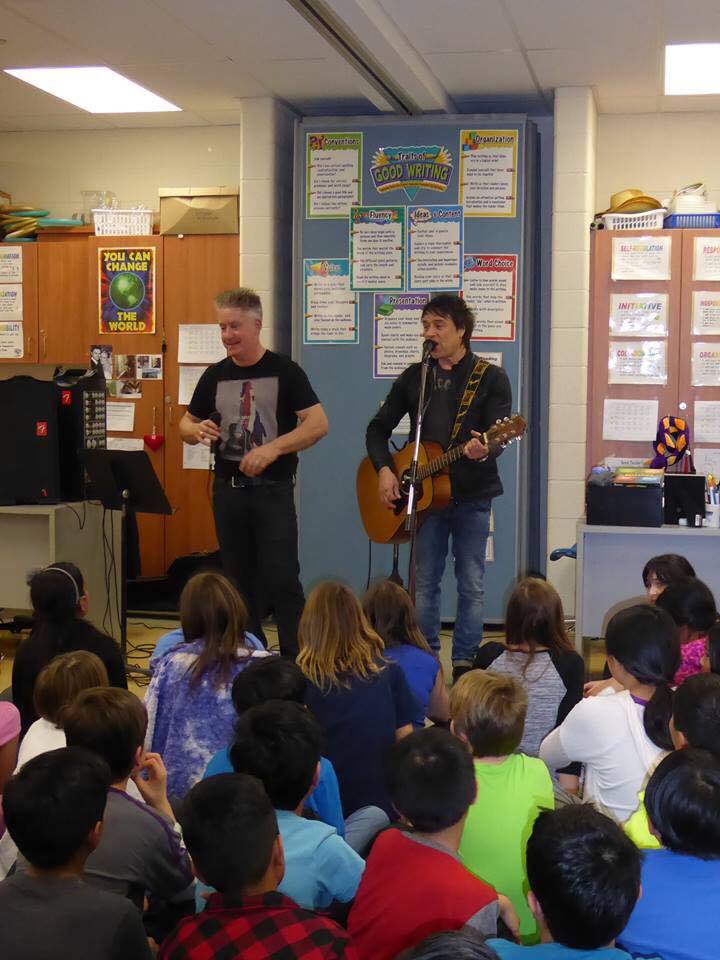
(465,397)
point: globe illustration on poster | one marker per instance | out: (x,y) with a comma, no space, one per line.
(127,291)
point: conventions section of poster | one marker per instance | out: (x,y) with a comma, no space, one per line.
(389,214)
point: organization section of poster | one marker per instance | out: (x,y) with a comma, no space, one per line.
(330,308)
(489,287)
(397,332)
(377,248)
(334,174)
(488,172)
(435,247)
(126,289)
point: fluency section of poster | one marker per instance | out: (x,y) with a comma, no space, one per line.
(377,248)
(330,308)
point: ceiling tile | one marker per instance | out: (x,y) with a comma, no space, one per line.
(554,24)
(192,86)
(482,73)
(612,72)
(484,25)
(692,21)
(29,45)
(611,104)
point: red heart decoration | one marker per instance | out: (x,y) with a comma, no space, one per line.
(154,440)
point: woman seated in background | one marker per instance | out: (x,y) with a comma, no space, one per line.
(538,653)
(620,736)
(391,614)
(691,604)
(190,709)
(60,604)
(361,700)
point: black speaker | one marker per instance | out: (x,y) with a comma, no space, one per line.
(30,465)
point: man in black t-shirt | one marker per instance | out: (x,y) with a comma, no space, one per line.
(258,409)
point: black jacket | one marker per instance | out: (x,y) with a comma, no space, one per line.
(470,479)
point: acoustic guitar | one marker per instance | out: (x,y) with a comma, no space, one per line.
(385,524)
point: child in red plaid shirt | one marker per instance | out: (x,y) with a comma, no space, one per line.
(231,832)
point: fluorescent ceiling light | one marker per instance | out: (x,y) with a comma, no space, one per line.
(692,69)
(95,89)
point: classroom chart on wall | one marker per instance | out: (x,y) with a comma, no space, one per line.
(11,340)
(639,314)
(397,332)
(190,373)
(641,258)
(705,364)
(706,312)
(330,308)
(377,248)
(630,419)
(11,302)
(706,258)
(706,421)
(435,247)
(200,343)
(488,172)
(334,176)
(489,286)
(11,263)
(637,361)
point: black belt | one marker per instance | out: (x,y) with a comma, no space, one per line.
(239,482)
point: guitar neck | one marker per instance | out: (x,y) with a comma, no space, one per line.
(440,463)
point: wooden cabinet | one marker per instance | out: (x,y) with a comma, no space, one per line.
(64,301)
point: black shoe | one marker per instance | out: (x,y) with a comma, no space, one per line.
(459,669)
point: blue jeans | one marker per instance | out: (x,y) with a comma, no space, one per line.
(469,524)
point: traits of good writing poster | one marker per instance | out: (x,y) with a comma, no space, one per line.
(489,282)
(126,289)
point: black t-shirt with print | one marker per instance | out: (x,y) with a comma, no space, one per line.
(256,404)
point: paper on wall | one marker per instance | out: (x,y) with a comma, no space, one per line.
(637,361)
(705,312)
(630,420)
(641,258)
(706,259)
(705,365)
(11,301)
(639,314)
(200,343)
(11,340)
(189,376)
(196,457)
(10,264)
(494,358)
(707,460)
(706,421)
(125,443)
(120,416)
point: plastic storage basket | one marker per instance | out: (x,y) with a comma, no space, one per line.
(123,223)
(651,220)
(701,221)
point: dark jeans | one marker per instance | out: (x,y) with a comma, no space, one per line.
(257,532)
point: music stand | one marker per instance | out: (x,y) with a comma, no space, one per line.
(122,480)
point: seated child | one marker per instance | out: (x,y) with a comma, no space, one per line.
(584,877)
(432,784)
(54,810)
(232,834)
(141,848)
(677,915)
(691,604)
(453,945)
(279,743)
(488,713)
(276,678)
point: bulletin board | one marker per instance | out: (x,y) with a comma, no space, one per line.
(389,212)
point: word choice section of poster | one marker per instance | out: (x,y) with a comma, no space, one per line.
(489,287)
(488,172)
(126,289)
(377,248)
(333,174)
(435,245)
(330,309)
(397,338)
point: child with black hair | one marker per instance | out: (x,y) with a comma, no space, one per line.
(691,604)
(584,879)
(232,833)
(711,659)
(279,743)
(432,784)
(60,604)
(54,808)
(677,915)
(619,736)
(453,945)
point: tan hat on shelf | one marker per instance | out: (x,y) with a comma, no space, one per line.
(631,200)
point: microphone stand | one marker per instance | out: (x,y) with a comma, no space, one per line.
(411,515)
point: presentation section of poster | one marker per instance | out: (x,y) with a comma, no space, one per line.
(334,174)
(489,287)
(435,247)
(488,172)
(377,249)
(330,308)
(397,333)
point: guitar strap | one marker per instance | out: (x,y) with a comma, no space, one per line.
(476,375)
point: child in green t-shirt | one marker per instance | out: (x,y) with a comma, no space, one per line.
(488,713)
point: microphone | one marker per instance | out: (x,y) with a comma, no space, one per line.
(428,347)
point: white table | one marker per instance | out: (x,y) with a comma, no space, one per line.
(610,562)
(37,535)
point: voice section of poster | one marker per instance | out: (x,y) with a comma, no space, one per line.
(330,308)
(126,289)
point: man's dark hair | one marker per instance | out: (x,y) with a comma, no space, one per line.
(585,873)
(667,567)
(271,678)
(682,800)
(109,721)
(229,826)
(280,744)
(463,944)
(696,711)
(454,308)
(690,603)
(53,803)
(431,779)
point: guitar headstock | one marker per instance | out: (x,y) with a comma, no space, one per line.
(506,431)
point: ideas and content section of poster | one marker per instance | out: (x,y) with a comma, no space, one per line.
(334,174)
(397,338)
(488,172)
(705,312)
(489,283)
(377,248)
(435,247)
(706,258)
(330,308)
(637,361)
(126,289)
(639,314)
(705,365)
(11,340)
(641,258)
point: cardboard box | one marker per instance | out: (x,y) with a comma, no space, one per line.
(198,210)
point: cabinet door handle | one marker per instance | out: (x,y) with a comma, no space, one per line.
(43,343)
(170,414)
(29,344)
